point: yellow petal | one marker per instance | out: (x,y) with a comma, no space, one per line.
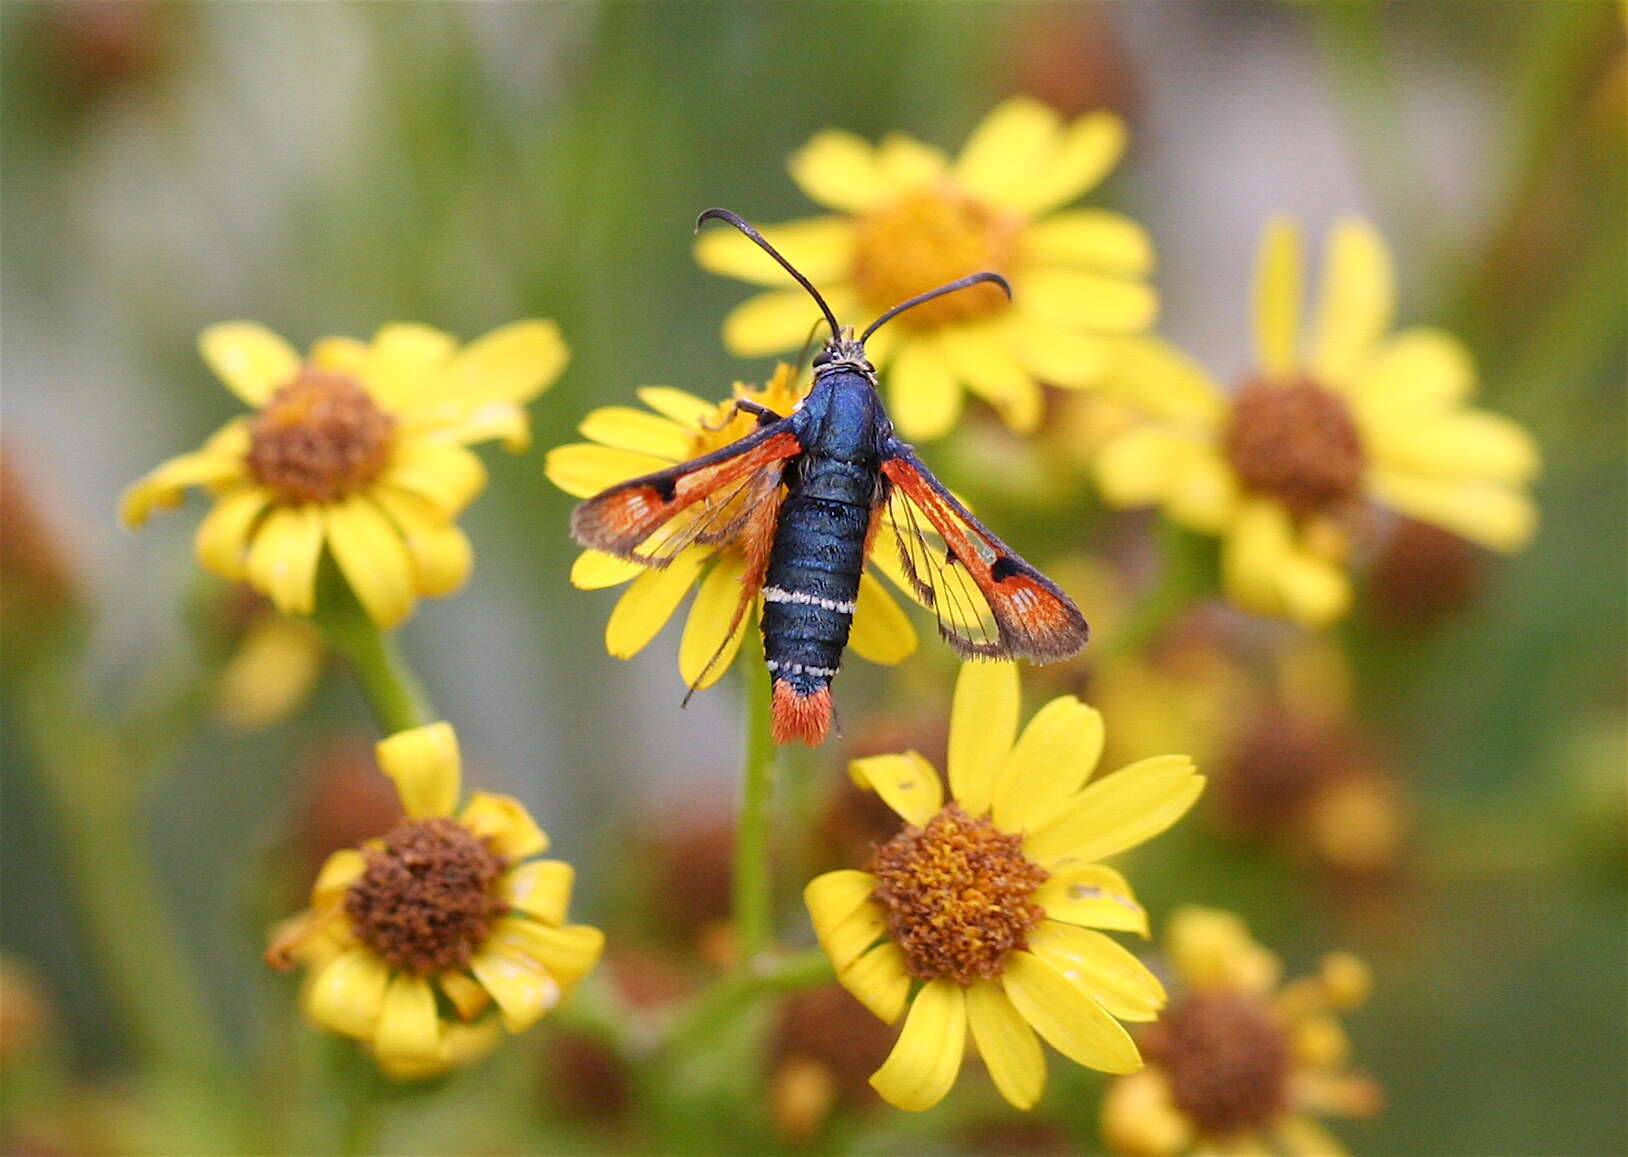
(1202,490)
(879,980)
(249,358)
(373,558)
(513,363)
(1092,895)
(344,355)
(439,552)
(283,556)
(583,469)
(924,395)
(982,357)
(426,767)
(839,170)
(1495,515)
(630,428)
(1278,292)
(542,888)
(1315,591)
(927,1056)
(881,630)
(1417,371)
(1467,444)
(1103,969)
(1355,302)
(347,994)
(1009,151)
(707,629)
(406,363)
(222,542)
(907,783)
(681,406)
(1298,1135)
(465,993)
(1069,1020)
(270,674)
(339,871)
(649,602)
(821,248)
(505,824)
(1088,301)
(846,940)
(1210,948)
(907,164)
(1086,153)
(983,726)
(1142,465)
(408,1028)
(446,475)
(835,896)
(521,987)
(1256,554)
(778,320)
(594,570)
(1138,1116)
(1007,1044)
(451,423)
(1054,756)
(1057,355)
(219,461)
(1094,240)
(1117,812)
(567,954)
(1162,382)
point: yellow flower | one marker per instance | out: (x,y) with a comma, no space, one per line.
(359,447)
(1281,469)
(908,219)
(446,912)
(627,442)
(991,901)
(1239,1064)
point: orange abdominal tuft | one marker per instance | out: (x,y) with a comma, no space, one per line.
(800,718)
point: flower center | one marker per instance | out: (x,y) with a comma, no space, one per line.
(957,894)
(925,239)
(425,901)
(1228,1061)
(1297,442)
(319,438)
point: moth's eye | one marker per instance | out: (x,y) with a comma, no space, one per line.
(823,358)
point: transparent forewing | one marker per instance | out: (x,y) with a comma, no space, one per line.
(714,520)
(911,552)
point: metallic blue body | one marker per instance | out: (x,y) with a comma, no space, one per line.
(818,553)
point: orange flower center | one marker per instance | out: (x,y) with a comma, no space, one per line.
(1297,442)
(957,895)
(319,438)
(725,424)
(1227,1060)
(925,239)
(425,901)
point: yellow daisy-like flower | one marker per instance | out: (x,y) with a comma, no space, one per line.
(1281,468)
(982,915)
(627,442)
(1238,1064)
(909,219)
(446,912)
(359,447)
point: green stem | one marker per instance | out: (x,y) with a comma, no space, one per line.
(392,690)
(753,896)
(84,772)
(742,988)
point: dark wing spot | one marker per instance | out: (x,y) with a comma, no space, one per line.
(665,485)
(1004,568)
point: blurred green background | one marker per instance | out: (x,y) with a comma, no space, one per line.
(324,168)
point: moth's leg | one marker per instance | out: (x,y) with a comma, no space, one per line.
(763,413)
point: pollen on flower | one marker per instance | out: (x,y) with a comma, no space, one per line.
(1227,1059)
(1297,442)
(319,438)
(925,239)
(425,902)
(957,895)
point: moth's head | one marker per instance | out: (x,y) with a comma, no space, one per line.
(843,351)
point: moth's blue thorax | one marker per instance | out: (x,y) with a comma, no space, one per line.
(841,418)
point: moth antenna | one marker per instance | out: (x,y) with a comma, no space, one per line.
(966,282)
(740,223)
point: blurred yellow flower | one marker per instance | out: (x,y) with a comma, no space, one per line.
(626,442)
(1280,470)
(908,219)
(360,447)
(991,900)
(1239,1064)
(447,911)
(271,674)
